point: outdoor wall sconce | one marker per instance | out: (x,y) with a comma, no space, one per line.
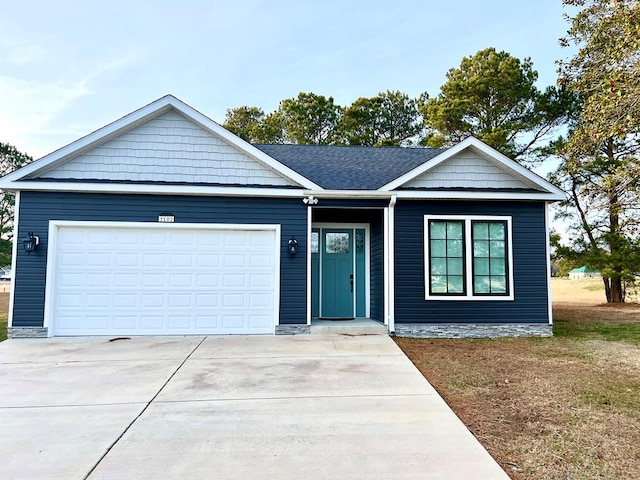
(30,243)
(293,246)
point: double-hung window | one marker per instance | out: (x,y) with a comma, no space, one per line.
(468,258)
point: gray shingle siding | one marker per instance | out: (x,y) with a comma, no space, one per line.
(37,208)
(530,268)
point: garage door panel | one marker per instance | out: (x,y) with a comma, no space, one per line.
(94,322)
(207,300)
(71,259)
(207,322)
(153,280)
(179,322)
(164,281)
(153,260)
(181,280)
(126,259)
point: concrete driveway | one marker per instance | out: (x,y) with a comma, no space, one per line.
(276,407)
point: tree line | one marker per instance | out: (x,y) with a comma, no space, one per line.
(492,95)
(589,121)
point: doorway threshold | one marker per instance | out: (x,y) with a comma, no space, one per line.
(354,326)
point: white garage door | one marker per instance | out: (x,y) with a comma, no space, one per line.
(163,280)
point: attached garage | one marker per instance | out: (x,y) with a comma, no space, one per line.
(110,278)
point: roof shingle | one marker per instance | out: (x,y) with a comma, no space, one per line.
(349,168)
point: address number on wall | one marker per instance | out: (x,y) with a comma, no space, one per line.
(166,218)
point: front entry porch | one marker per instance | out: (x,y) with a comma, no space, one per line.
(356,326)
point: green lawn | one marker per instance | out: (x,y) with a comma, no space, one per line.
(3,326)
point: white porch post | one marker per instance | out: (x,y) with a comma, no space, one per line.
(309,278)
(392,264)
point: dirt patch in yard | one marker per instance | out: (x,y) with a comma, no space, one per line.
(4,302)
(588,291)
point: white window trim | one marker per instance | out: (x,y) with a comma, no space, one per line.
(467,219)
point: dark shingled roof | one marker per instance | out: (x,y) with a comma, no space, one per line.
(349,168)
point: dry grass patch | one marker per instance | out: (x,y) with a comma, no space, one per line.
(4,308)
(565,408)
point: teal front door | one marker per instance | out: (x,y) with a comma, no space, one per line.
(337,273)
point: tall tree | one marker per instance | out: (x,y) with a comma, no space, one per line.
(388,119)
(310,118)
(492,96)
(605,71)
(600,167)
(244,122)
(10,159)
(252,125)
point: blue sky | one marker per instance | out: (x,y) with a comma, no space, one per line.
(70,67)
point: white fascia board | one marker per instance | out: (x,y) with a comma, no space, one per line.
(138,117)
(152,189)
(486,151)
(203,190)
(471,195)
(435,195)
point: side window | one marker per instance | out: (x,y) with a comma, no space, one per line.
(468,258)
(489,258)
(446,257)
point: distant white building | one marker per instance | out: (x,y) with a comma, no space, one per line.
(583,272)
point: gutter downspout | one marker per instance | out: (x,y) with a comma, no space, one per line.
(547,228)
(392,266)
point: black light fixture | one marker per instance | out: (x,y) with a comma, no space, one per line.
(293,246)
(30,243)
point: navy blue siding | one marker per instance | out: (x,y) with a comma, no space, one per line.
(530,267)
(37,208)
(377,271)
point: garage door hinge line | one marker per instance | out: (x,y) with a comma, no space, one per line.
(142,411)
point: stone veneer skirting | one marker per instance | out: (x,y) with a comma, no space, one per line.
(469,330)
(292,329)
(27,332)
(415,330)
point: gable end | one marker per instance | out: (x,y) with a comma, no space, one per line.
(169,148)
(470,170)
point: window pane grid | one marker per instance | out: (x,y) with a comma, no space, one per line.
(489,257)
(446,257)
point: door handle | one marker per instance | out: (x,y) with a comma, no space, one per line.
(351,282)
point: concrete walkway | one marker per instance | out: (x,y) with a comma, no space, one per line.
(272,407)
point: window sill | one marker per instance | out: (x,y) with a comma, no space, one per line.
(466,298)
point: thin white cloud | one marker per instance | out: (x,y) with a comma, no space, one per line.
(22,55)
(30,108)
